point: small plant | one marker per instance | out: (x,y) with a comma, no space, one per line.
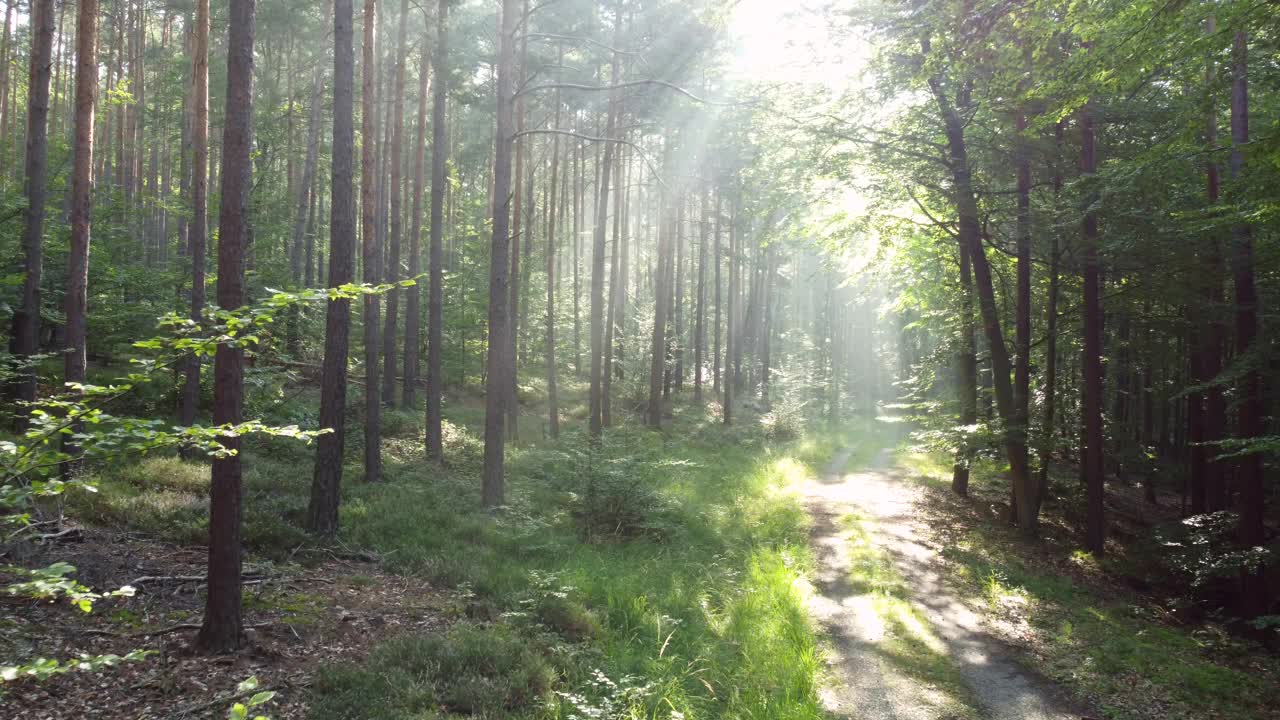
(240,710)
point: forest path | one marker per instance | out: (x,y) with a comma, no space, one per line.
(903,644)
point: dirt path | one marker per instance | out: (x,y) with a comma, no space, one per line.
(925,655)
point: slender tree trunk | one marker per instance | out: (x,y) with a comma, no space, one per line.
(221,631)
(197,232)
(435,300)
(1249,470)
(371,252)
(700,311)
(971,237)
(396,190)
(1051,341)
(576,241)
(716,258)
(322,513)
(661,296)
(76,300)
(413,303)
(967,371)
(5,51)
(1026,497)
(596,404)
(731,330)
(521,234)
(766,328)
(1095,531)
(611,313)
(26,322)
(498,367)
(553,404)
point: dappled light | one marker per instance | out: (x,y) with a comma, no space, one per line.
(622,359)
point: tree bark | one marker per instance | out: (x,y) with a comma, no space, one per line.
(596,400)
(498,367)
(322,513)
(81,210)
(371,252)
(1095,530)
(553,404)
(435,300)
(700,311)
(396,189)
(1249,470)
(222,627)
(26,321)
(967,371)
(197,233)
(970,234)
(413,301)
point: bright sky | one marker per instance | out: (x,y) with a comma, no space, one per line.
(801,41)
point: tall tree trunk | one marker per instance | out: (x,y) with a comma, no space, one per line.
(499,368)
(596,400)
(396,190)
(611,312)
(6,50)
(716,260)
(521,234)
(1051,340)
(26,322)
(1092,442)
(1026,497)
(700,311)
(967,371)
(76,300)
(221,630)
(553,404)
(731,330)
(322,513)
(1249,471)
(198,231)
(766,328)
(971,237)
(413,303)
(435,299)
(371,255)
(661,296)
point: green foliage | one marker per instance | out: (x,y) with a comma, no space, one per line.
(483,671)
(1203,550)
(240,710)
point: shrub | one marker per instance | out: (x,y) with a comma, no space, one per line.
(618,499)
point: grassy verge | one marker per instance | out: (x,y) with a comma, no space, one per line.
(1110,646)
(656,577)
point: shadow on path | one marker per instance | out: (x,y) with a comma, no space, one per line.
(904,644)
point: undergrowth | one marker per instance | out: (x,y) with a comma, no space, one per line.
(654,577)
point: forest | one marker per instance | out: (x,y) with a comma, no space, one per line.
(640,359)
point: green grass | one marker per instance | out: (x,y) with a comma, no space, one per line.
(1105,645)
(702,613)
(689,602)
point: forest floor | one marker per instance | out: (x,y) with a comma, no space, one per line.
(684,573)
(904,643)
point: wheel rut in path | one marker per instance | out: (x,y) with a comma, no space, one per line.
(868,679)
